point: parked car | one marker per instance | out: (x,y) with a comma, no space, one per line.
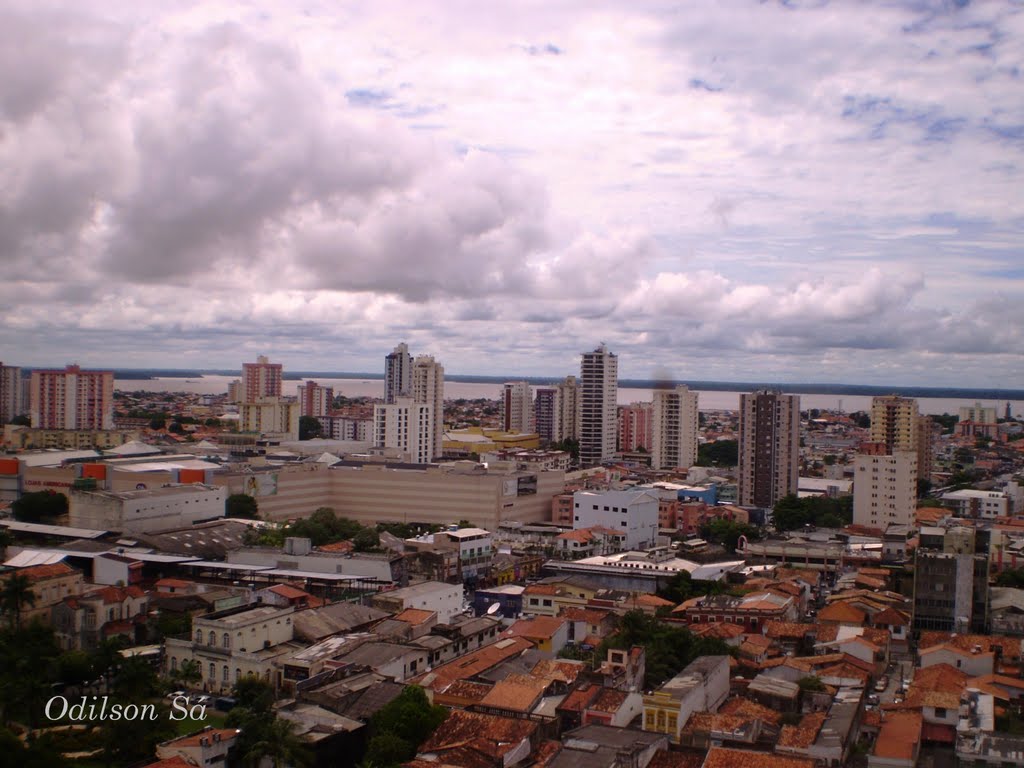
(873,699)
(202,699)
(172,696)
(882,683)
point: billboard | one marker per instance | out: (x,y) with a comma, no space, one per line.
(260,485)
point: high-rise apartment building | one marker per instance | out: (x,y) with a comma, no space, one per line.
(315,400)
(271,417)
(546,413)
(261,379)
(569,409)
(72,399)
(599,388)
(894,422)
(11,397)
(428,388)
(406,425)
(978,413)
(517,407)
(235,392)
(769,449)
(885,489)
(635,424)
(674,428)
(951,573)
(398,374)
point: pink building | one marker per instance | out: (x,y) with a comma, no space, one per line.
(261,379)
(636,426)
(315,400)
(72,399)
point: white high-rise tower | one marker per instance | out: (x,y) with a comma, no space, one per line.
(599,377)
(398,374)
(428,387)
(675,428)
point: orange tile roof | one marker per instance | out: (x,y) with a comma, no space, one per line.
(537,628)
(288,592)
(466,690)
(564,670)
(580,698)
(337,546)
(170,762)
(518,693)
(721,630)
(652,601)
(803,735)
(666,759)
(609,700)
(788,630)
(720,757)
(487,734)
(540,589)
(473,664)
(751,710)
(1010,646)
(705,722)
(842,612)
(51,571)
(415,616)
(899,736)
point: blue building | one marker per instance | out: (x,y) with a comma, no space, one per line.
(508,596)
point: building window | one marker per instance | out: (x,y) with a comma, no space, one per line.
(224,674)
(213,639)
(238,674)
(213,672)
(199,635)
(227,640)
(174,663)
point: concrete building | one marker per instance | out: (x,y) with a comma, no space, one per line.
(83,621)
(50,583)
(701,687)
(11,395)
(373,493)
(978,413)
(398,374)
(407,426)
(599,376)
(428,388)
(315,400)
(517,407)
(475,547)
(970,503)
(275,417)
(569,409)
(235,643)
(951,572)
(635,425)
(894,422)
(634,513)
(675,428)
(546,413)
(261,379)
(26,438)
(885,489)
(72,398)
(769,447)
(235,392)
(208,747)
(145,511)
(443,599)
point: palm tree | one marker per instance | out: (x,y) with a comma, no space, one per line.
(278,741)
(17,593)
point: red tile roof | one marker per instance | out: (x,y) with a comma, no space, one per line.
(719,757)
(899,736)
(51,571)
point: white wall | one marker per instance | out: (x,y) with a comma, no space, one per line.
(634,513)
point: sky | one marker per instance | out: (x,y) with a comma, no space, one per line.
(735,191)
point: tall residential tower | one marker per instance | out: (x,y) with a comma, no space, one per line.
(675,428)
(398,374)
(599,376)
(769,449)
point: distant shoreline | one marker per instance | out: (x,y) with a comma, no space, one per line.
(796,388)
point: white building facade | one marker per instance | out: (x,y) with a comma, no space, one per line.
(885,489)
(517,407)
(428,388)
(633,513)
(675,428)
(599,375)
(407,426)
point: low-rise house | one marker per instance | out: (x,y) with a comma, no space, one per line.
(210,746)
(81,623)
(317,623)
(774,693)
(899,741)
(470,666)
(548,633)
(283,595)
(444,599)
(51,584)
(750,611)
(722,757)
(475,738)
(614,708)
(602,746)
(974,662)
(701,687)
(624,670)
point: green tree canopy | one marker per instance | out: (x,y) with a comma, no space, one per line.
(721,453)
(366,540)
(401,726)
(39,506)
(241,505)
(309,428)
(792,513)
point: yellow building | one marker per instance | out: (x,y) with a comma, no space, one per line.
(477,440)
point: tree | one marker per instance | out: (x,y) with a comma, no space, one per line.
(39,506)
(16,595)
(721,453)
(158,423)
(241,505)
(366,540)
(187,673)
(254,694)
(792,513)
(401,725)
(569,445)
(175,428)
(126,742)
(810,683)
(309,428)
(276,739)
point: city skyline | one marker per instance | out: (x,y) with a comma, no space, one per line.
(744,192)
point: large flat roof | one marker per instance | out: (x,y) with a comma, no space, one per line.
(51,530)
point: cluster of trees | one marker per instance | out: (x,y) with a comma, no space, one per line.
(39,506)
(401,726)
(682,587)
(1011,577)
(669,648)
(792,513)
(310,428)
(727,532)
(322,527)
(721,453)
(264,735)
(242,505)
(569,445)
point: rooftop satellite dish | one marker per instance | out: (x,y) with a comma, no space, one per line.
(493,609)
